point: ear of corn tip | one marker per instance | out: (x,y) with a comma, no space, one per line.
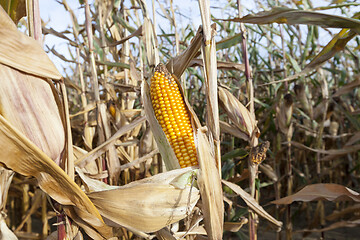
(174,118)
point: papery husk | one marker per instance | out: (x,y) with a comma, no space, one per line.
(147,205)
(238,113)
(284,114)
(5,232)
(22,156)
(28,103)
(22,52)
(209,183)
(151,45)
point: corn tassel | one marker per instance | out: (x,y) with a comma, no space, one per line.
(172,115)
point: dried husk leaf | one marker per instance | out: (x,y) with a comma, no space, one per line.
(333,226)
(284,114)
(28,103)
(235,226)
(164,234)
(238,113)
(101,149)
(178,64)
(295,16)
(321,191)
(22,52)
(147,205)
(252,203)
(220,65)
(209,183)
(150,41)
(231,129)
(5,232)
(348,87)
(24,157)
(5,181)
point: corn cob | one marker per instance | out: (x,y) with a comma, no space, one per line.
(172,115)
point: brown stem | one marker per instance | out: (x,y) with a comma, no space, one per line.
(253,169)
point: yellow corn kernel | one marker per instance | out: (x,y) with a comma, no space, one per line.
(173,116)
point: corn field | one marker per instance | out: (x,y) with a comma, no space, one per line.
(246,126)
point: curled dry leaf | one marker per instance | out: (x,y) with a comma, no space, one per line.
(235,226)
(22,52)
(150,41)
(209,183)
(252,203)
(238,113)
(343,151)
(220,65)
(5,232)
(321,191)
(295,16)
(178,64)
(29,104)
(348,87)
(24,157)
(150,204)
(284,114)
(333,226)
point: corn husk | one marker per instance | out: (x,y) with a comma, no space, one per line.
(24,157)
(210,189)
(32,134)
(147,205)
(238,113)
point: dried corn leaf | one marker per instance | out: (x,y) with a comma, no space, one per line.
(235,226)
(284,114)
(178,64)
(252,203)
(209,183)
(147,205)
(238,113)
(341,213)
(333,226)
(5,232)
(220,65)
(22,156)
(231,129)
(321,191)
(99,150)
(150,41)
(28,103)
(295,16)
(343,151)
(348,87)
(164,234)
(353,139)
(22,52)
(335,45)
(5,181)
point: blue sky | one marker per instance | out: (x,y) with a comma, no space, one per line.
(59,19)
